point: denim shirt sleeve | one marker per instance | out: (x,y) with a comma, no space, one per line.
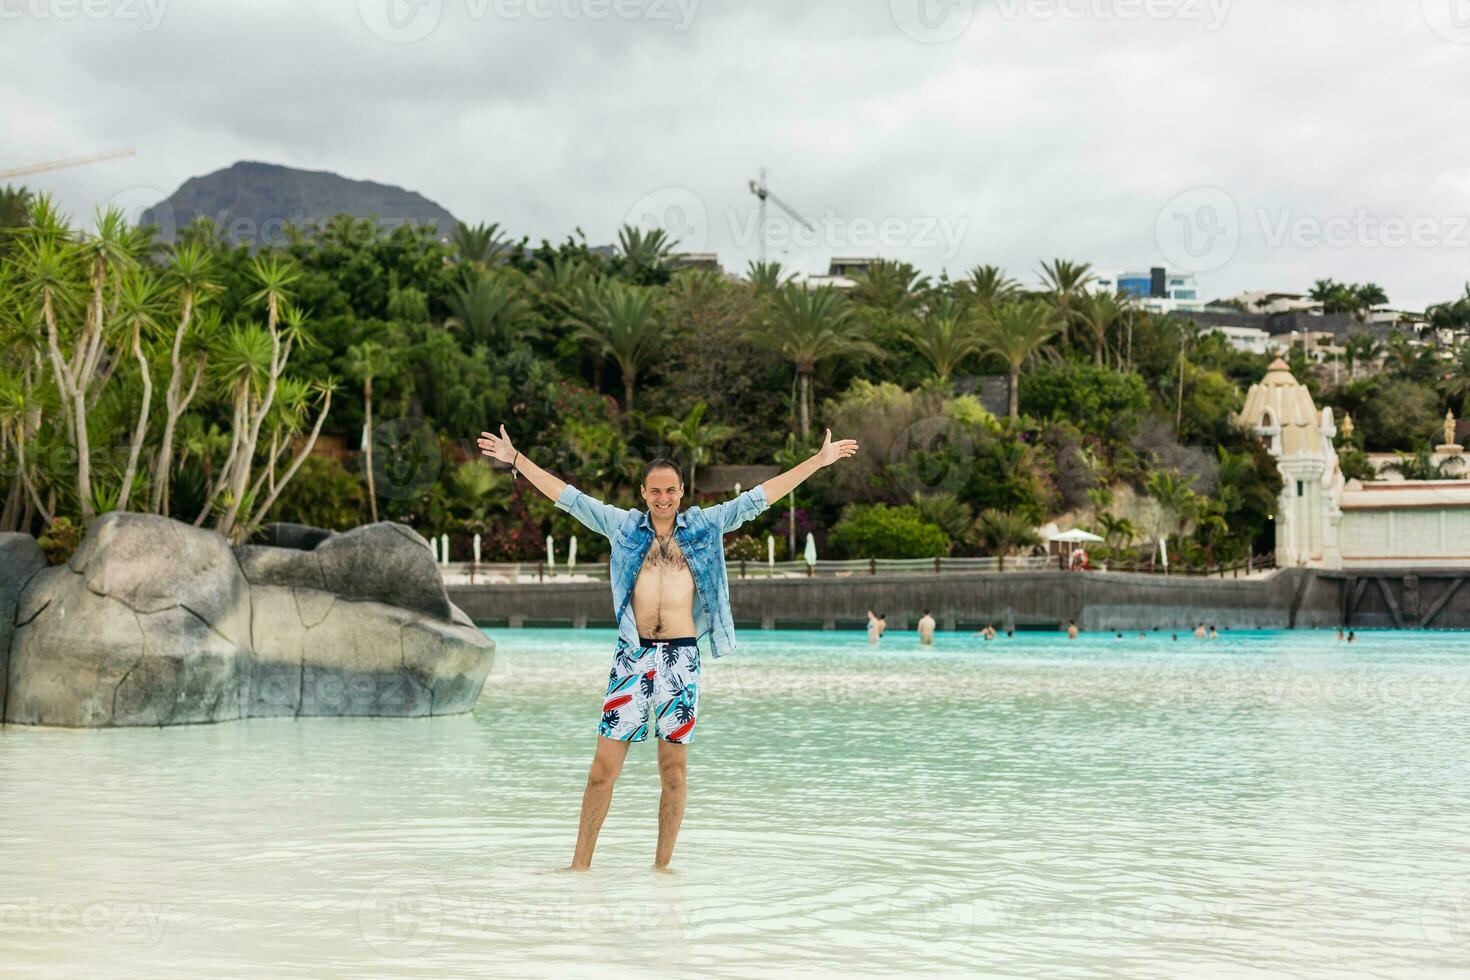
(733,513)
(600,517)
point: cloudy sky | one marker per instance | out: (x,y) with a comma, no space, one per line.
(1260,143)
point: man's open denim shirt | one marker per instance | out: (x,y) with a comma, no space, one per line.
(699,532)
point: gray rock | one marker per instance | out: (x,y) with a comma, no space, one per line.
(388,563)
(20,558)
(158,623)
(302,537)
(263,565)
(152,563)
(68,661)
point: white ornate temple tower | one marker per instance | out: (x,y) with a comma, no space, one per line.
(1281,413)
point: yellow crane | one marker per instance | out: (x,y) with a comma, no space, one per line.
(37,168)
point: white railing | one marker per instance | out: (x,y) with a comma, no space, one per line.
(534,572)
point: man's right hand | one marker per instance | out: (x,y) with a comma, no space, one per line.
(497,447)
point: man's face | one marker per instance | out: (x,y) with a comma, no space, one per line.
(661,491)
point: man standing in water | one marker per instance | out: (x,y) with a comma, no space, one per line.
(926,629)
(669,594)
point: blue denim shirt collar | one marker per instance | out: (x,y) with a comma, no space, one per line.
(643,520)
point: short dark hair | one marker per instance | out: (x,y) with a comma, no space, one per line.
(926,612)
(662,463)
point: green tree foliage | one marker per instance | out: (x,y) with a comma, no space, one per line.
(1097,400)
(881,531)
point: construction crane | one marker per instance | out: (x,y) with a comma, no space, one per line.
(37,168)
(760,190)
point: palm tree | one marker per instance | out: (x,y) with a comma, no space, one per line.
(768,277)
(946,511)
(1117,529)
(1425,464)
(1064,282)
(139,304)
(1100,312)
(648,253)
(1368,295)
(190,273)
(1173,494)
(1003,533)
(1015,331)
(695,437)
(990,286)
(489,309)
(808,326)
(622,322)
(366,361)
(478,246)
(944,338)
(893,287)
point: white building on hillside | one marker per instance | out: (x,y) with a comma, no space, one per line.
(1325,521)
(1157,290)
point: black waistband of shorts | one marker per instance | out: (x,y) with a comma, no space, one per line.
(673,641)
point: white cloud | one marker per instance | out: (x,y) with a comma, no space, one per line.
(1039,134)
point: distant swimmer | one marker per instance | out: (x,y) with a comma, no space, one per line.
(1072,630)
(1199,632)
(926,629)
(989,632)
(876,625)
(1340,635)
(1351,636)
(1213,634)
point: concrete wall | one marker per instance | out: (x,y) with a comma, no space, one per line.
(1023,600)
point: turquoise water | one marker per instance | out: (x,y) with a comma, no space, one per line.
(1267,803)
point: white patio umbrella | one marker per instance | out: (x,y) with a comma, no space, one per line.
(434,549)
(1164,550)
(550,553)
(771,550)
(810,553)
(1075,535)
(477,549)
(572,554)
(444,548)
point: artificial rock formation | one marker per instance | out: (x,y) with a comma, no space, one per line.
(155,622)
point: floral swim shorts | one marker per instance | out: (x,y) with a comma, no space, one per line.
(659,674)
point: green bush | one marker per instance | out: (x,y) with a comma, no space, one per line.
(1095,399)
(880,531)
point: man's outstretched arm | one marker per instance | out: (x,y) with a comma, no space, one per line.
(779,486)
(499,447)
(593,513)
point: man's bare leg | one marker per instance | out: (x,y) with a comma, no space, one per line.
(671,766)
(606,764)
